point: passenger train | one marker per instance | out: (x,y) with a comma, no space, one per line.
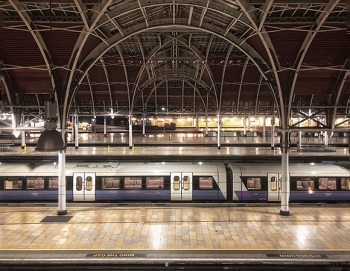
(167,182)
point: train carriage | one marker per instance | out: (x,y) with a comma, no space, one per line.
(116,182)
(169,182)
(308,182)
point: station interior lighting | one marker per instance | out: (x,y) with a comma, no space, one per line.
(50,139)
(16,133)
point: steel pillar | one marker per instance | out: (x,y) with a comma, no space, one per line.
(285,182)
(62,208)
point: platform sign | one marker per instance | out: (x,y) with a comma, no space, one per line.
(181,186)
(84,186)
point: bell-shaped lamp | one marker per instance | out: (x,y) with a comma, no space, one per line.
(50,139)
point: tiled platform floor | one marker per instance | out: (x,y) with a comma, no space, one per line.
(106,235)
(166,228)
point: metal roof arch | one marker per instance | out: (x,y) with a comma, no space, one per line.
(304,49)
(162,25)
(165,78)
(156,50)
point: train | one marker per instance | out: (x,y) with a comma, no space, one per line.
(173,182)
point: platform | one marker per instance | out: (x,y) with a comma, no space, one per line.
(180,147)
(174,236)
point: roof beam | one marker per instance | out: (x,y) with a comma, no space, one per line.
(338,90)
(273,80)
(305,46)
(89,25)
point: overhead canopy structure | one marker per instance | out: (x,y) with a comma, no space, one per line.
(258,57)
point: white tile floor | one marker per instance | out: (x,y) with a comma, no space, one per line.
(167,228)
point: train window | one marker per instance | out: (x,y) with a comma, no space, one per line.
(154,182)
(133,183)
(206,183)
(186,182)
(327,184)
(79,183)
(273,183)
(345,183)
(35,183)
(176,183)
(305,184)
(253,183)
(88,183)
(13,184)
(110,183)
(53,183)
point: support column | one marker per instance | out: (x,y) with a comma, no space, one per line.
(76,133)
(299,135)
(219,132)
(105,126)
(206,117)
(272,133)
(130,132)
(144,125)
(64,135)
(285,182)
(23,140)
(73,129)
(62,208)
(206,125)
(264,128)
(325,138)
(244,126)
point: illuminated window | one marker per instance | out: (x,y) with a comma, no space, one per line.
(53,183)
(133,183)
(206,183)
(88,183)
(305,184)
(176,183)
(110,183)
(253,183)
(345,183)
(327,184)
(35,183)
(273,183)
(154,182)
(186,182)
(13,184)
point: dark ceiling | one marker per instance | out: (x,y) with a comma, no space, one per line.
(244,57)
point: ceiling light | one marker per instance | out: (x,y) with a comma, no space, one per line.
(50,139)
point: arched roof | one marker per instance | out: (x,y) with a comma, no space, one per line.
(256,57)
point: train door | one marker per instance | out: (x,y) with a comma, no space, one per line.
(181,186)
(84,186)
(273,187)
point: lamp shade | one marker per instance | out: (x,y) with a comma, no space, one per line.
(50,140)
